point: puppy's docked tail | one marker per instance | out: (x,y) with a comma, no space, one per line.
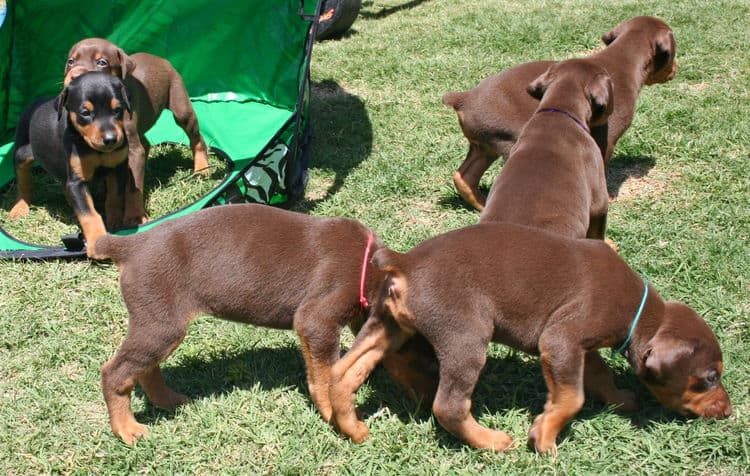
(117,248)
(394,291)
(454,99)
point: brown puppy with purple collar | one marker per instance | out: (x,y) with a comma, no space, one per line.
(544,294)
(639,51)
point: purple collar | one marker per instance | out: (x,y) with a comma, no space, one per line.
(575,119)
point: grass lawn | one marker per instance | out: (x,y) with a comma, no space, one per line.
(384,152)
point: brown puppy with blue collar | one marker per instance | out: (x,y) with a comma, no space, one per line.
(78,137)
(544,294)
(260,265)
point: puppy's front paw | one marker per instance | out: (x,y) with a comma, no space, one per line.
(131,432)
(360,433)
(539,440)
(19,210)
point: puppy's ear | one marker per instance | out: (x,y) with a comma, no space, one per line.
(127,65)
(601,95)
(61,102)
(125,99)
(661,356)
(612,35)
(664,49)
(386,259)
(537,87)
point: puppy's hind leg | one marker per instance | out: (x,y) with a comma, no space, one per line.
(24,162)
(374,340)
(460,367)
(150,340)
(184,116)
(319,341)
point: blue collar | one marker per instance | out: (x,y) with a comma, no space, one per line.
(566,113)
(624,345)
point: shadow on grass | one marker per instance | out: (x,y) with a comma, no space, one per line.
(507,383)
(620,169)
(388,11)
(342,137)
(623,167)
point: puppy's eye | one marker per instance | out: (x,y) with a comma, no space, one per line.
(713,377)
(70,62)
(102,63)
(117,111)
(85,113)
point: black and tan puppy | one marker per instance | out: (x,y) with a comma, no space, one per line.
(542,293)
(77,137)
(554,178)
(262,266)
(639,51)
(153,85)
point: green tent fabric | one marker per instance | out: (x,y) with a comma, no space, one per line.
(245,64)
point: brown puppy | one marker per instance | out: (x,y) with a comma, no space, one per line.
(153,85)
(639,51)
(542,293)
(554,178)
(262,266)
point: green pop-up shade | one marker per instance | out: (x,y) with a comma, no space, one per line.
(244,63)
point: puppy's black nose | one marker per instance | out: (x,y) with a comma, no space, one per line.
(109,138)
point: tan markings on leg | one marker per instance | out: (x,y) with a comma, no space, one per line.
(350,372)
(465,426)
(599,382)
(23,182)
(93,227)
(157,391)
(318,380)
(200,158)
(121,418)
(564,402)
(467,177)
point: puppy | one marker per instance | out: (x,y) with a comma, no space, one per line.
(77,137)
(262,266)
(639,51)
(542,293)
(554,178)
(153,85)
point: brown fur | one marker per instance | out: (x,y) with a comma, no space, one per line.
(554,178)
(261,265)
(153,85)
(544,294)
(640,51)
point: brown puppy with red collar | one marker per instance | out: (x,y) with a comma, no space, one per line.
(542,293)
(153,85)
(639,51)
(263,266)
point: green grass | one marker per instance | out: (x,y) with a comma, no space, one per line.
(384,152)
